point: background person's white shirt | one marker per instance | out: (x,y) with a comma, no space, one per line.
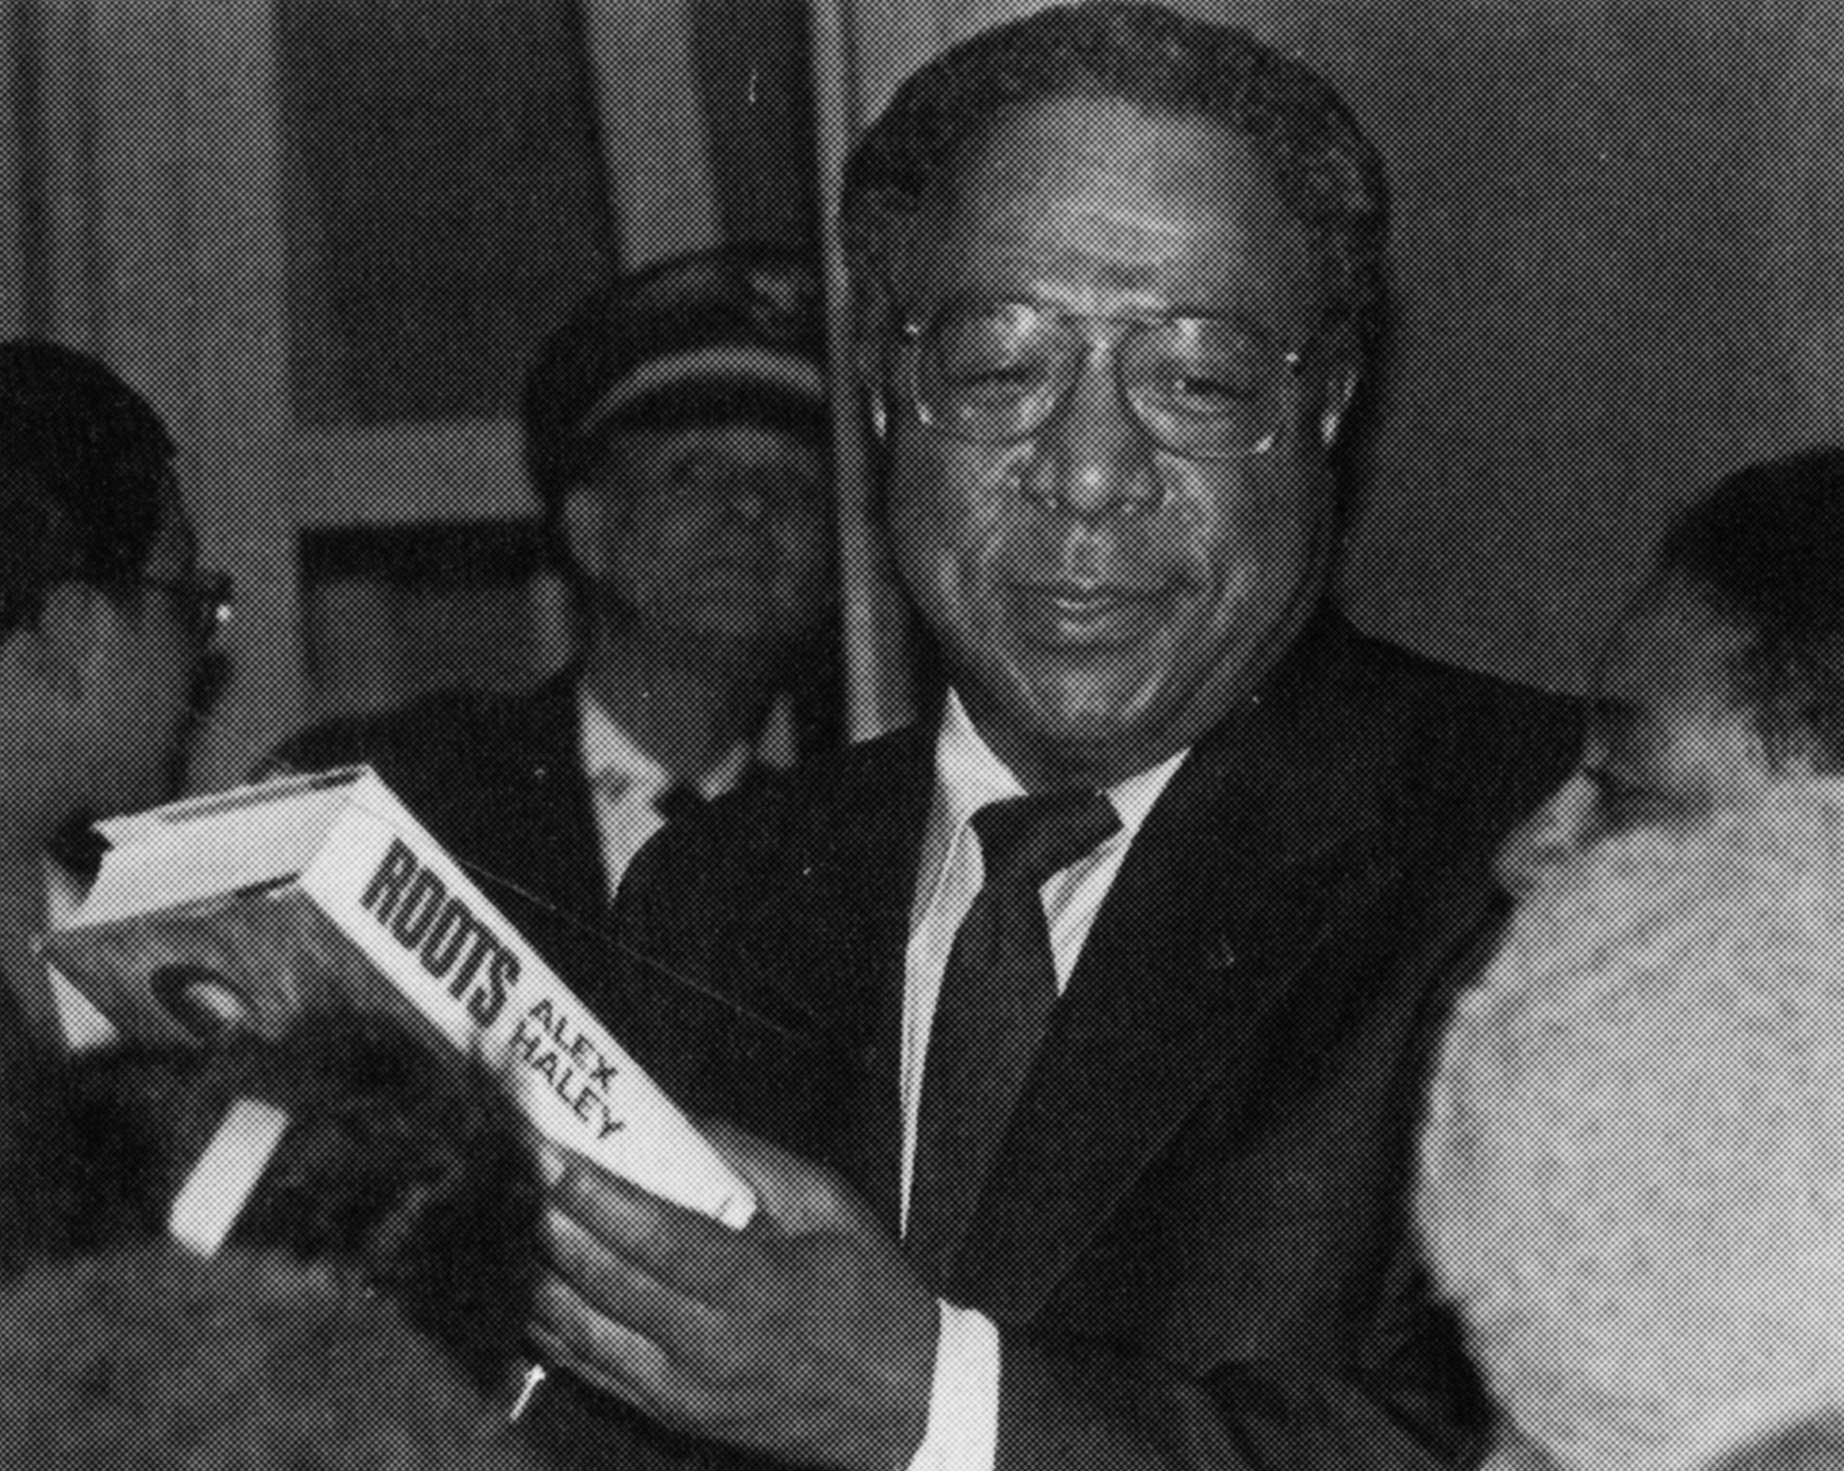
(83,1026)
(963,1421)
(625,783)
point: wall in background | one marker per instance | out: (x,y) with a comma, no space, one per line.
(1621,227)
(1617,278)
(445,200)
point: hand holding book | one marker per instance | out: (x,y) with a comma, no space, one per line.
(316,892)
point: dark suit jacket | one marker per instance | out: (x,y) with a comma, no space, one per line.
(498,779)
(1194,1242)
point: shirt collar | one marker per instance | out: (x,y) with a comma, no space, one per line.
(969,775)
(606,747)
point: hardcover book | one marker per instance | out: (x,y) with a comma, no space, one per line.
(246,908)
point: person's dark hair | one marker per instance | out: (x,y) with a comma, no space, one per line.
(1765,547)
(398,1168)
(86,469)
(1323,166)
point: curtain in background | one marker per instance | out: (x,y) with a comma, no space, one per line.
(48,171)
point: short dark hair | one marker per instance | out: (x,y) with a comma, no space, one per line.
(86,475)
(1323,166)
(1765,548)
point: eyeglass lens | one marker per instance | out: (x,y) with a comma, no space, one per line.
(206,601)
(1200,385)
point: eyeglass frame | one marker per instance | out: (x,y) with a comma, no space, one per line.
(208,598)
(912,333)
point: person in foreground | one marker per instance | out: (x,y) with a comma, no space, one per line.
(149,1356)
(1632,1182)
(1079,1028)
(108,656)
(1725,674)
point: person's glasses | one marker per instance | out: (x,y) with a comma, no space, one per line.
(205,601)
(1201,386)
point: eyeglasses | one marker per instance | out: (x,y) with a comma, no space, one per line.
(1202,386)
(205,599)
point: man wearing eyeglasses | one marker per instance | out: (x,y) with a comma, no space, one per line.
(1087,1017)
(109,652)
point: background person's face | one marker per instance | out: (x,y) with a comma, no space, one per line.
(1666,741)
(1101,602)
(720,530)
(143,709)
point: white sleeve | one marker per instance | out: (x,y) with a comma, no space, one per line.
(963,1407)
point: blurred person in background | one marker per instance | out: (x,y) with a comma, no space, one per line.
(677,437)
(108,649)
(1812,1442)
(1725,674)
(1632,1183)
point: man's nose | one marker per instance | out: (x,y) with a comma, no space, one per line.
(1563,826)
(749,493)
(1093,459)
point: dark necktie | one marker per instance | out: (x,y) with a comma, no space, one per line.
(997,995)
(679,801)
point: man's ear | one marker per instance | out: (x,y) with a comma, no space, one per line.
(61,650)
(583,521)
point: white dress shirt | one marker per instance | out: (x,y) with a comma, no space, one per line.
(626,782)
(963,1421)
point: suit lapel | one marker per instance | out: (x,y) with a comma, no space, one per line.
(876,1115)
(1241,875)
(546,811)
(846,924)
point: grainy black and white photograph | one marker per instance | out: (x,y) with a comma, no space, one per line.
(921,735)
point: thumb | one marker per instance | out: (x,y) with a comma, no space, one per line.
(796,1195)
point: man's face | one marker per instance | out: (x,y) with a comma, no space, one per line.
(142,709)
(722,531)
(1667,740)
(1103,601)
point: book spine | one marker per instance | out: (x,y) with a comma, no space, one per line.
(441,945)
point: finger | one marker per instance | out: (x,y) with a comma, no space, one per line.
(554,1161)
(622,1359)
(606,1355)
(700,1256)
(624,1292)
